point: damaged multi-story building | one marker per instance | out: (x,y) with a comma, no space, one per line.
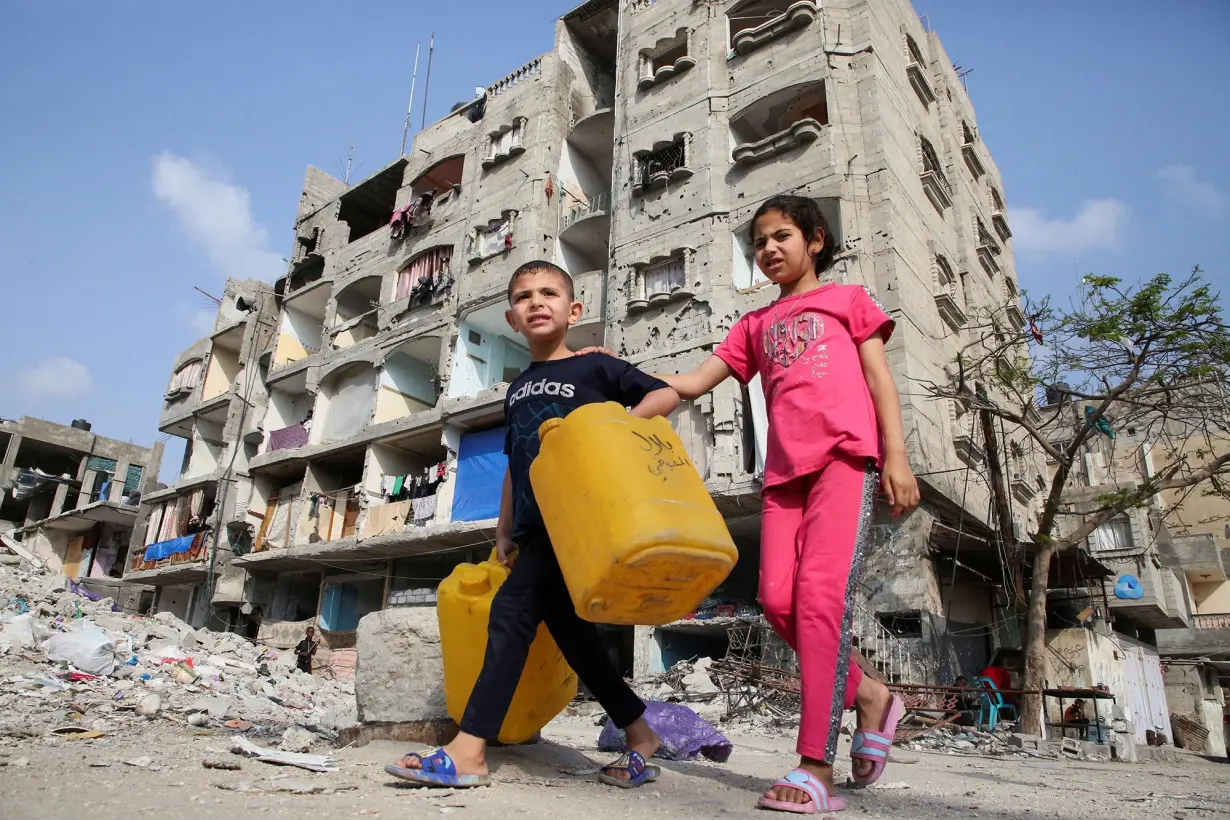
(345,425)
(69,501)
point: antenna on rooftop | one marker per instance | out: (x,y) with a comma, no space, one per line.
(431,49)
(208,296)
(347,170)
(962,74)
(410,106)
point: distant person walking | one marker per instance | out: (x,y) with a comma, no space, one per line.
(305,650)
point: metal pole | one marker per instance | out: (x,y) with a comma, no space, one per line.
(405,131)
(431,49)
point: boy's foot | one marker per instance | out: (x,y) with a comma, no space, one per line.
(872,703)
(641,739)
(468,757)
(818,770)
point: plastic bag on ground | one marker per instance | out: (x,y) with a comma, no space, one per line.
(18,631)
(85,646)
(685,735)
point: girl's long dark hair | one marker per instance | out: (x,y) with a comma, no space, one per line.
(804,213)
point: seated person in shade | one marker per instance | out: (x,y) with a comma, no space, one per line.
(968,702)
(1075,713)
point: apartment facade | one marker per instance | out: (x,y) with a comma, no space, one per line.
(71,498)
(1158,633)
(633,154)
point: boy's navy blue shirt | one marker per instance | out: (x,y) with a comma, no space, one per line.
(553,389)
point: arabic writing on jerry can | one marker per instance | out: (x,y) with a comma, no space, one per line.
(637,535)
(547,685)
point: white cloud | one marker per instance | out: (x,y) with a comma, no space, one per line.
(1181,184)
(1100,224)
(56,378)
(217,216)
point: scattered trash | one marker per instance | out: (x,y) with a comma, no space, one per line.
(240,725)
(149,705)
(224,765)
(76,733)
(315,763)
(143,762)
(685,735)
(85,646)
(286,785)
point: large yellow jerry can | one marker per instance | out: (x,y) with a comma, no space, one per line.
(547,685)
(638,538)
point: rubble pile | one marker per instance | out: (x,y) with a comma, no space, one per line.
(76,666)
(717,691)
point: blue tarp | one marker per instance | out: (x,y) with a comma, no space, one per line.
(481,465)
(164,549)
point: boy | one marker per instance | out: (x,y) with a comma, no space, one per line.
(541,308)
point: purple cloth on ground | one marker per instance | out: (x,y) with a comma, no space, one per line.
(685,735)
(89,594)
(288,437)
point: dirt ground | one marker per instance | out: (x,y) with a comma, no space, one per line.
(51,778)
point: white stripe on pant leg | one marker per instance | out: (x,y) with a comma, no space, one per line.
(866,514)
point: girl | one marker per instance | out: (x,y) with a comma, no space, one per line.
(835,435)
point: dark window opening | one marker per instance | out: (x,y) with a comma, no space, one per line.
(370,204)
(907,624)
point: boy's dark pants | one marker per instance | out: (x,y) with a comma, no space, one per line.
(535,592)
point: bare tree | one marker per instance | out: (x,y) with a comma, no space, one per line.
(1156,355)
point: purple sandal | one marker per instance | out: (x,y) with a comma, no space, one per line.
(875,746)
(820,803)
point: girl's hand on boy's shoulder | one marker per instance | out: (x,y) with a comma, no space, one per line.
(899,485)
(595,349)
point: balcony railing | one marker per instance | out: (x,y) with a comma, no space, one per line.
(1211,621)
(575,210)
(184,550)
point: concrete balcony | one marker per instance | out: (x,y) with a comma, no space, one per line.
(950,302)
(970,151)
(177,561)
(937,189)
(1024,487)
(1000,223)
(917,75)
(1163,605)
(792,17)
(1197,556)
(797,135)
(1201,642)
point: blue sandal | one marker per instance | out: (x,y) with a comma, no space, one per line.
(438,771)
(639,772)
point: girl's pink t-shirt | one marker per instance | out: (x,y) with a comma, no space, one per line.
(805,349)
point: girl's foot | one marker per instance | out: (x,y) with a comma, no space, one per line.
(641,739)
(821,771)
(469,755)
(872,702)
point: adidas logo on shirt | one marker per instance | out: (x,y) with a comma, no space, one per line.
(543,388)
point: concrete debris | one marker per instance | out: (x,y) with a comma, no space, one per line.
(397,678)
(65,659)
(295,739)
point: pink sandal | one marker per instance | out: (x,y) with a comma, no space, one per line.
(875,746)
(820,803)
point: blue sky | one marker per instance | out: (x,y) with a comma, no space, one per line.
(153,147)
